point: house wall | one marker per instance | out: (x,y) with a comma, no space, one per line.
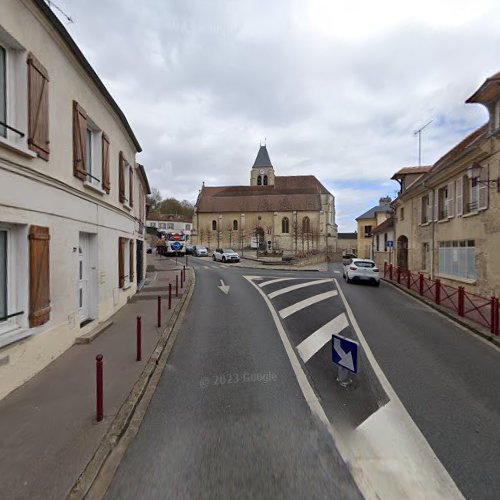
(46,193)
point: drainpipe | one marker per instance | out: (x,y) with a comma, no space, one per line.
(433,232)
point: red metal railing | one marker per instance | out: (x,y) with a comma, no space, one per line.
(477,308)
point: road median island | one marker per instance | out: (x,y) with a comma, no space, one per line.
(97,475)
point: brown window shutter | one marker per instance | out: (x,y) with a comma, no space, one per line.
(131,187)
(121,262)
(38,108)
(39,276)
(121,177)
(131,274)
(79,141)
(105,163)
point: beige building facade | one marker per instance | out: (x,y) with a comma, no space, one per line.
(292,214)
(72,197)
(448,218)
(367,222)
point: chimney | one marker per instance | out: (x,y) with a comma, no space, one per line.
(385,201)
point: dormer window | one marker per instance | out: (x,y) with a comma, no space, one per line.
(496,118)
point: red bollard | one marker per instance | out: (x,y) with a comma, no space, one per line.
(438,292)
(398,274)
(139,339)
(390,272)
(408,279)
(385,269)
(182,280)
(184,273)
(99,370)
(186,261)
(461,302)
(176,285)
(494,315)
(159,311)
(170,295)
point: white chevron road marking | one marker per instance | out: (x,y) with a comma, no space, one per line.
(312,344)
(278,280)
(287,311)
(296,287)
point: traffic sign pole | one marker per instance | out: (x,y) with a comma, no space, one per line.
(344,377)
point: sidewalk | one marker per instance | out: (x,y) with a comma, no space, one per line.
(48,428)
(254,263)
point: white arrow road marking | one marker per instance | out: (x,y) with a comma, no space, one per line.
(276,281)
(312,344)
(345,357)
(223,287)
(287,311)
(296,287)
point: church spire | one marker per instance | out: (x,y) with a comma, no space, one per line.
(262,159)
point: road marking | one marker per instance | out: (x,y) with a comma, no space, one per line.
(206,267)
(278,280)
(312,344)
(336,272)
(223,287)
(287,311)
(296,287)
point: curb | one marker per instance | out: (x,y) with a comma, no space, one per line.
(469,325)
(140,395)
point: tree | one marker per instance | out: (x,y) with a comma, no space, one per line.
(154,199)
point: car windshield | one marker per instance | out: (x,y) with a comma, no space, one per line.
(201,249)
(227,250)
(361,263)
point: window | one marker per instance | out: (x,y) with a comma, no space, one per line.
(368,231)
(497,115)
(214,225)
(265,180)
(188,227)
(152,224)
(126,180)
(285,225)
(402,213)
(306,225)
(425,209)
(235,225)
(385,242)
(162,225)
(125,262)
(170,225)
(259,180)
(377,243)
(457,258)
(443,203)
(470,194)
(93,154)
(13,278)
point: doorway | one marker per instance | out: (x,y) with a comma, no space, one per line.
(139,261)
(403,253)
(87,278)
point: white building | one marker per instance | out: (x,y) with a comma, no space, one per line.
(170,222)
(72,197)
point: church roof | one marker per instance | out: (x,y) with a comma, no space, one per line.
(301,192)
(262,159)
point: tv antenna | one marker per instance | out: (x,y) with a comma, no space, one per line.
(52,4)
(419,133)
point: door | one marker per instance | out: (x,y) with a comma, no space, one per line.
(83,278)
(139,261)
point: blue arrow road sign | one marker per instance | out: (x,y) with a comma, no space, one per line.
(176,245)
(345,353)
(390,243)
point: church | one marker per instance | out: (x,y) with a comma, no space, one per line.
(289,214)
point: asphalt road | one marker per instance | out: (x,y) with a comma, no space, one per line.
(228,419)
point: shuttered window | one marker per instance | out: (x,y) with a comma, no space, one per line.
(131,261)
(483,190)
(106,185)
(38,108)
(79,141)
(39,276)
(121,262)
(121,177)
(131,187)
(3,91)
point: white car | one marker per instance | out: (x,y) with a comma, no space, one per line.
(361,270)
(200,251)
(226,255)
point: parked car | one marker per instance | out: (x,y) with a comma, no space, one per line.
(346,258)
(361,270)
(226,255)
(189,248)
(200,251)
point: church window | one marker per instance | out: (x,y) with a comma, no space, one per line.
(265,180)
(259,181)
(235,225)
(214,225)
(285,225)
(306,225)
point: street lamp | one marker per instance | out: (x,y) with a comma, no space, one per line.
(474,172)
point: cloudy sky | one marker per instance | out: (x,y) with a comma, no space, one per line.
(337,88)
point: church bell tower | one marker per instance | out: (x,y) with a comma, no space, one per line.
(262,173)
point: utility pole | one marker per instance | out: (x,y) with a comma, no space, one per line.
(419,133)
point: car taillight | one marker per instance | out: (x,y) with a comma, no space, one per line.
(375,270)
(352,268)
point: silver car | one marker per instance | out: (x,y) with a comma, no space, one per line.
(226,255)
(200,251)
(361,270)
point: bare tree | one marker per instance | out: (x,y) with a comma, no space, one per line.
(209,237)
(201,233)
